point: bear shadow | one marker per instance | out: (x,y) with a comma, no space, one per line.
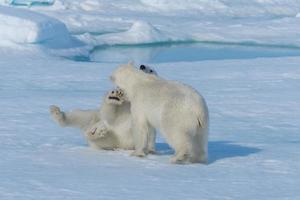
(218,150)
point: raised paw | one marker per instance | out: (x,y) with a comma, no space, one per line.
(54,109)
(138,154)
(56,113)
(116,96)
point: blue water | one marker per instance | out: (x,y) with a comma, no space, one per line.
(30,2)
(158,53)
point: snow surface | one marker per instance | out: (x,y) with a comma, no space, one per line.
(139,33)
(20,27)
(96,23)
(33,27)
(254,103)
(254,137)
(263,22)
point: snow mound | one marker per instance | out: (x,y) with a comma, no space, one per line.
(24,26)
(144,31)
(20,26)
(176,5)
(140,32)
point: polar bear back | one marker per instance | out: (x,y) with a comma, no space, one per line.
(152,95)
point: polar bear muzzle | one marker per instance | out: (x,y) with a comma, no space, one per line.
(114,98)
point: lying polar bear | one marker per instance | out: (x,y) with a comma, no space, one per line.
(177,110)
(108,127)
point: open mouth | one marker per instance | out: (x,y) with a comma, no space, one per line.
(114,98)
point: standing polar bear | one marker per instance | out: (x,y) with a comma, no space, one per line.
(177,110)
(108,127)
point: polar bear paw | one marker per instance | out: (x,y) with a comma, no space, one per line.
(138,153)
(57,114)
(116,96)
(179,159)
(98,131)
(152,151)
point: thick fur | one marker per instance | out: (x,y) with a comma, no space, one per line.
(108,127)
(177,110)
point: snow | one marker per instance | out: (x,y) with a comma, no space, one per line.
(139,33)
(258,22)
(20,26)
(254,104)
(35,27)
(254,136)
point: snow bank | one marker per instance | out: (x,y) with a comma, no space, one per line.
(225,8)
(263,33)
(139,33)
(202,8)
(100,22)
(20,26)
(179,5)
(24,26)
(263,22)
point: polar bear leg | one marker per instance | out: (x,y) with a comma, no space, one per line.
(151,140)
(77,118)
(199,150)
(101,136)
(179,140)
(181,150)
(99,130)
(141,136)
(58,115)
(180,157)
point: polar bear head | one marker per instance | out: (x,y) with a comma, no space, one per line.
(125,76)
(148,69)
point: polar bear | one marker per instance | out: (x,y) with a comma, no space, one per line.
(108,127)
(177,110)
(99,126)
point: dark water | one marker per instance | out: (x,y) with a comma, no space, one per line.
(157,53)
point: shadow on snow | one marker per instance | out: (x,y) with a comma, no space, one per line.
(218,150)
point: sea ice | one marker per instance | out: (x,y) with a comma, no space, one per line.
(30,2)
(21,26)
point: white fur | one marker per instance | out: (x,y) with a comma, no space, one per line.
(108,127)
(177,110)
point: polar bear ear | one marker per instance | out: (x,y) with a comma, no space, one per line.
(131,63)
(112,78)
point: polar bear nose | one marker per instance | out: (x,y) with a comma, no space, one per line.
(142,67)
